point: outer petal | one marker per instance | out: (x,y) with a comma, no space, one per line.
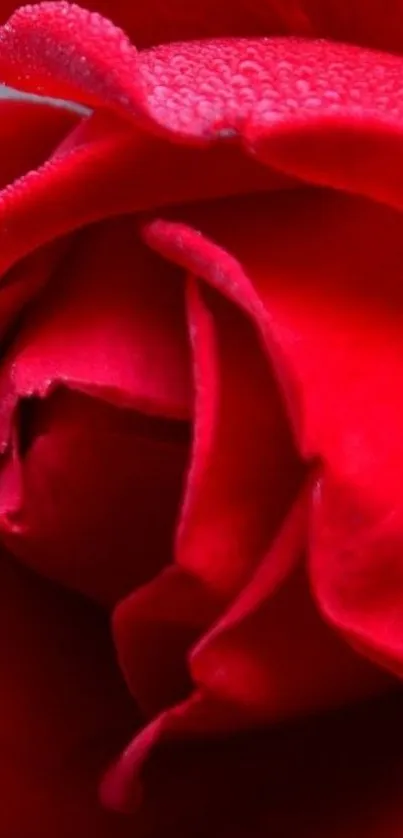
(160,22)
(365,22)
(45,126)
(106,168)
(63,711)
(329,113)
(325,112)
(204,90)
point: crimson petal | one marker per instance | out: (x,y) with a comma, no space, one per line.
(232,506)
(45,126)
(105,168)
(258,89)
(254,666)
(78,476)
(271,654)
(158,22)
(328,320)
(111,323)
(92,496)
(271,282)
(333,776)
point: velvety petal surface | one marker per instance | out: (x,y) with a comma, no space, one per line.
(89,485)
(44,125)
(234,504)
(334,333)
(93,499)
(308,317)
(106,168)
(232,507)
(112,323)
(272,655)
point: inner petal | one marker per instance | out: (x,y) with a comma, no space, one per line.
(321,274)
(245,470)
(111,323)
(91,495)
(244,474)
(96,397)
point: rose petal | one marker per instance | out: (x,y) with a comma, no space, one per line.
(327,112)
(325,269)
(269,657)
(367,22)
(45,42)
(356,21)
(89,496)
(154,628)
(207,710)
(45,126)
(106,168)
(246,668)
(112,323)
(233,505)
(82,486)
(159,23)
(24,281)
(333,776)
(58,728)
(256,88)
(271,654)
(206,89)
(245,470)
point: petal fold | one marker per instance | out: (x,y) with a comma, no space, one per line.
(332,328)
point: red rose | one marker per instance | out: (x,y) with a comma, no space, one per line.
(200,429)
